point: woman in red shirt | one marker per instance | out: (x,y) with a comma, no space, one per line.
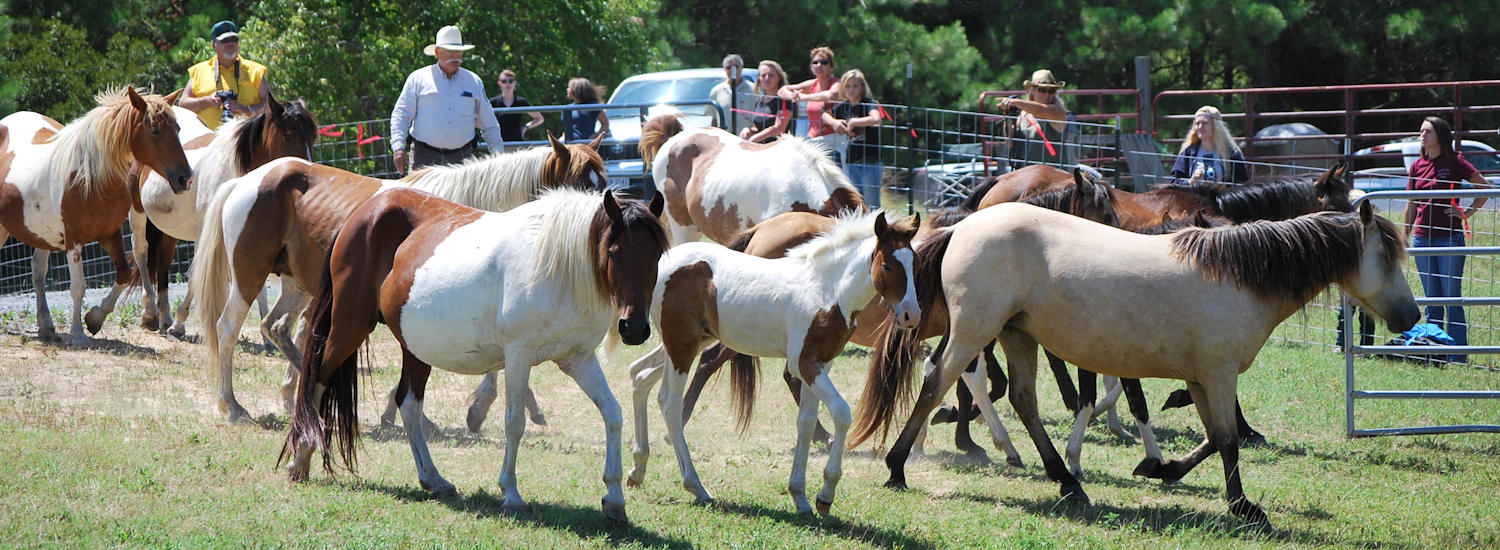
(1440,222)
(821,87)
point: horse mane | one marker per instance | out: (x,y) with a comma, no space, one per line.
(602,232)
(95,149)
(817,152)
(849,228)
(1293,258)
(294,115)
(496,182)
(1269,198)
(567,246)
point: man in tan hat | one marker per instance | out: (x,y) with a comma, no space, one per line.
(1041,114)
(440,106)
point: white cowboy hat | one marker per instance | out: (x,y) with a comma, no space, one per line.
(448,38)
(1044,79)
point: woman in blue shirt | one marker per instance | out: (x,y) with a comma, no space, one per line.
(581,124)
(1208,153)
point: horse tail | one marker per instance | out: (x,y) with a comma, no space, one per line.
(743,371)
(741,241)
(971,203)
(655,133)
(209,276)
(889,384)
(337,406)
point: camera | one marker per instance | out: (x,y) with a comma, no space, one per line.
(226,96)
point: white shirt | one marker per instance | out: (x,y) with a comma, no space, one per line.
(745,96)
(443,112)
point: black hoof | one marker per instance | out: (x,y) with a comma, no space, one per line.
(1248,512)
(1074,492)
(1015,461)
(1253,439)
(1178,399)
(1147,467)
(897,484)
(944,415)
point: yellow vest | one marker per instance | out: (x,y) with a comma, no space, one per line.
(246,84)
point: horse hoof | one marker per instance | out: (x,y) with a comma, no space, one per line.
(538,420)
(614,512)
(944,415)
(1248,512)
(178,330)
(1074,493)
(632,482)
(238,415)
(475,419)
(149,323)
(94,320)
(1015,461)
(823,507)
(1147,467)
(46,334)
(444,491)
(1254,439)
(79,340)
(897,484)
(513,510)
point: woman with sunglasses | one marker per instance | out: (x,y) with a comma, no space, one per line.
(821,87)
(511,129)
(1040,119)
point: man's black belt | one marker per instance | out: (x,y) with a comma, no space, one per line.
(419,143)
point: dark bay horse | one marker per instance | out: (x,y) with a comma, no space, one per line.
(474,292)
(281,218)
(1213,297)
(62,187)
(163,214)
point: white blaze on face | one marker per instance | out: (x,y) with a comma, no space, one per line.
(908,311)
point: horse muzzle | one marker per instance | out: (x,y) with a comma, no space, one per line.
(179,180)
(908,315)
(634,332)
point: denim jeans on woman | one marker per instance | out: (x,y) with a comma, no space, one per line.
(866,178)
(1442,277)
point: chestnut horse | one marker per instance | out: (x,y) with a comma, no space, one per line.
(474,292)
(718,185)
(1015,272)
(281,218)
(62,187)
(164,215)
(800,307)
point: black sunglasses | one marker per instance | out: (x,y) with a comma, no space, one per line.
(821,62)
(230,40)
(507,81)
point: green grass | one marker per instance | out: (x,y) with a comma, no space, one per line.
(121,445)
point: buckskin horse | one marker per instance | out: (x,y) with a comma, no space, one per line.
(1213,296)
(281,218)
(474,292)
(62,187)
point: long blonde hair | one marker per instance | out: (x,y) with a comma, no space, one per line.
(1223,142)
(776,70)
(850,76)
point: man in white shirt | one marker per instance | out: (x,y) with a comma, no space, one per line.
(440,106)
(734,85)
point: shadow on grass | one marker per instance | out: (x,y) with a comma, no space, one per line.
(112,347)
(831,526)
(586,523)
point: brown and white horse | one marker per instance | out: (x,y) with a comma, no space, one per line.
(474,292)
(800,307)
(1211,297)
(718,185)
(281,218)
(62,187)
(164,215)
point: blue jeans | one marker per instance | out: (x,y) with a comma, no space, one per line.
(866,178)
(1442,276)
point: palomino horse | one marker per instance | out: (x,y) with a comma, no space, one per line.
(62,187)
(281,218)
(772,238)
(800,307)
(718,185)
(1212,297)
(475,292)
(165,214)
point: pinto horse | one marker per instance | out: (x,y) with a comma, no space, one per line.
(281,218)
(1213,296)
(62,187)
(718,185)
(800,307)
(164,215)
(474,292)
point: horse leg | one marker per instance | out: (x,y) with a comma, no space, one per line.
(1172,472)
(78,284)
(411,389)
(517,379)
(228,326)
(140,249)
(290,305)
(1088,389)
(1216,404)
(961,437)
(590,378)
(41,262)
(709,364)
(1064,381)
(1020,356)
(644,374)
(1113,389)
(669,398)
(1249,437)
(159,270)
(807,415)
(267,341)
(1142,414)
(820,434)
(935,385)
(977,383)
(478,403)
(822,389)
(534,410)
(114,246)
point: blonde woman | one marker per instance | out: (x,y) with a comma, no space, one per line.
(773,114)
(1208,153)
(858,117)
(1041,118)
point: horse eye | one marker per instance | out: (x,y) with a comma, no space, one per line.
(886,266)
(155,131)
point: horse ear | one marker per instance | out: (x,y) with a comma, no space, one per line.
(611,208)
(881,227)
(172,97)
(135,99)
(658,202)
(558,148)
(274,107)
(597,140)
(1367,214)
(1200,221)
(1080,180)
